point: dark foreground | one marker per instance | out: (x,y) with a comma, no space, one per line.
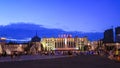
(68,62)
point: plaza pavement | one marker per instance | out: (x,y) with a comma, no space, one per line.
(82,61)
(30,57)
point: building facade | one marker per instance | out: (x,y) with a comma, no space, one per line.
(64,43)
(117,34)
(2,41)
(2,44)
(35,45)
(108,36)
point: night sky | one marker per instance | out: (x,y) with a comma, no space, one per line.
(69,15)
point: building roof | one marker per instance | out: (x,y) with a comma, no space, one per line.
(36,39)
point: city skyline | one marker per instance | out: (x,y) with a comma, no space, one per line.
(59,33)
(69,15)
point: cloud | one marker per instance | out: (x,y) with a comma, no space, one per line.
(22,40)
(24,32)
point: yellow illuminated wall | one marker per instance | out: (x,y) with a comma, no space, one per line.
(54,43)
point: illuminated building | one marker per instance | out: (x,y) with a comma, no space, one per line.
(2,41)
(16,47)
(94,45)
(1,51)
(64,43)
(35,45)
(112,46)
(2,44)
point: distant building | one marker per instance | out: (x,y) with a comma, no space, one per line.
(64,43)
(15,47)
(117,34)
(2,44)
(36,39)
(1,50)
(108,36)
(2,41)
(35,45)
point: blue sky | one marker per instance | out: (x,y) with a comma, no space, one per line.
(69,15)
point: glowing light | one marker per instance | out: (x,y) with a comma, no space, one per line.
(2,38)
(65,41)
(77,48)
(0,49)
(53,48)
(20,45)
